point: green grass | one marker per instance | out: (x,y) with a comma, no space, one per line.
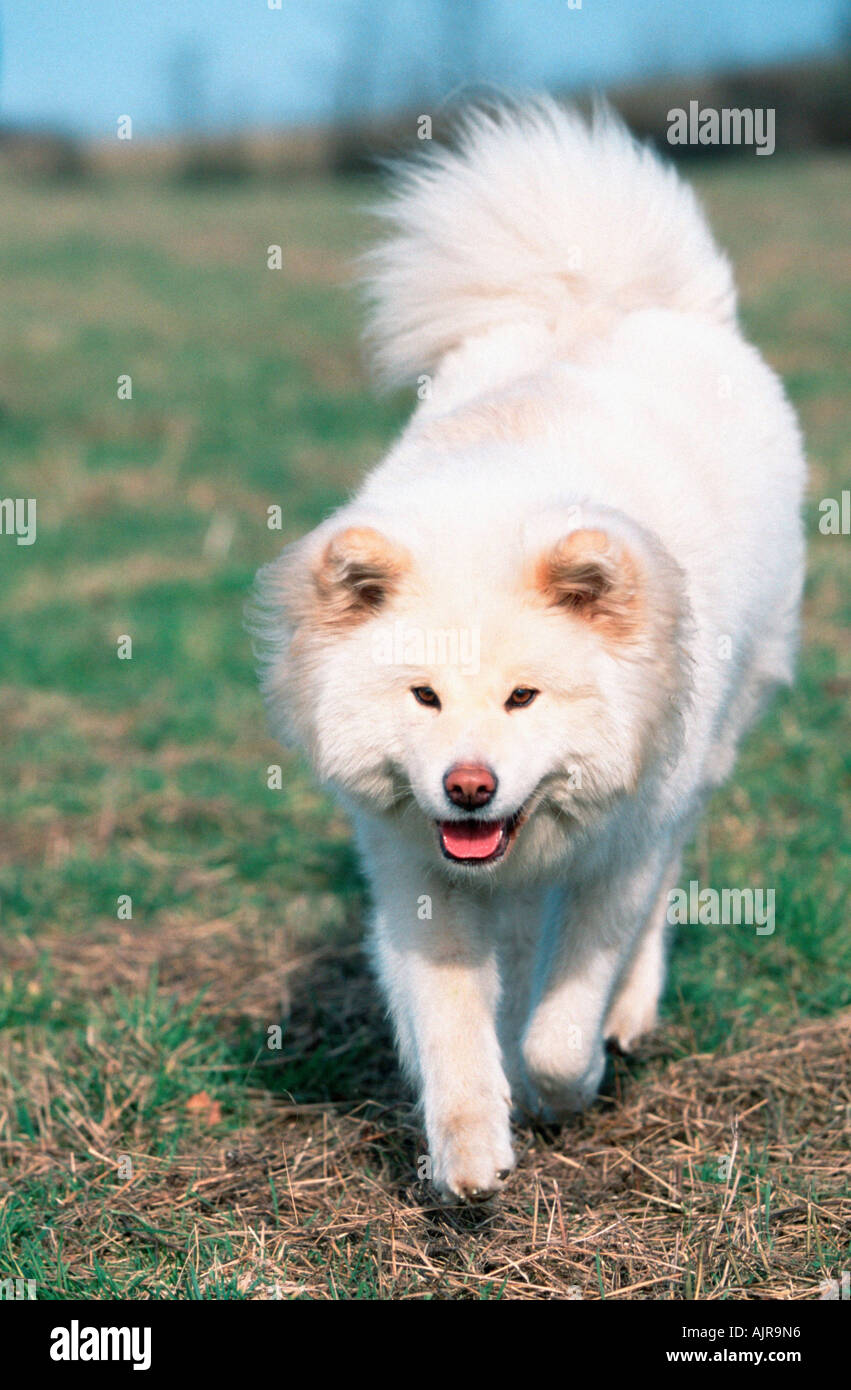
(148,777)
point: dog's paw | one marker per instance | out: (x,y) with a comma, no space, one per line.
(631,1016)
(471,1159)
(561,1080)
(555,1098)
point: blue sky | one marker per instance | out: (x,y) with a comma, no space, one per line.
(79,64)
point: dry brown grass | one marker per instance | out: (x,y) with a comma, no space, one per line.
(320,1197)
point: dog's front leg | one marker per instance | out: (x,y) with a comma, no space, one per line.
(563,1045)
(438,967)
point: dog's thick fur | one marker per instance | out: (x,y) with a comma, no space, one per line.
(600,498)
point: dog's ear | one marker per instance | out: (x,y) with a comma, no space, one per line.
(356,573)
(596,577)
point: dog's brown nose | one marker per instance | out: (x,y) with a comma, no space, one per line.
(470,785)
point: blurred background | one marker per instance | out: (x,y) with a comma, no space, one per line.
(163,384)
(276,85)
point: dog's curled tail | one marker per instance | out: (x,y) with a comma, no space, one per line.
(537,216)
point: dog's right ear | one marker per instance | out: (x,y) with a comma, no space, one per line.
(595,577)
(355,574)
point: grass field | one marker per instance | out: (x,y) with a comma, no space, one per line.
(151,1144)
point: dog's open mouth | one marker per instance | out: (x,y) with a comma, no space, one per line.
(477,841)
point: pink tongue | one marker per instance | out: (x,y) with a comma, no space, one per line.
(471,839)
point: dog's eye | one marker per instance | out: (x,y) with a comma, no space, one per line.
(426,696)
(520,697)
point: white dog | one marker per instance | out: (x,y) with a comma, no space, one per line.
(527,649)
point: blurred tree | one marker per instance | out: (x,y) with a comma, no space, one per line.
(362,53)
(187,85)
(461,39)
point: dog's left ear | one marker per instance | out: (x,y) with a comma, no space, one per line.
(594,576)
(356,573)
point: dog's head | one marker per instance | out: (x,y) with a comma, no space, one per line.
(491,697)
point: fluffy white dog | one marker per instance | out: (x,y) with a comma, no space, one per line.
(526,650)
